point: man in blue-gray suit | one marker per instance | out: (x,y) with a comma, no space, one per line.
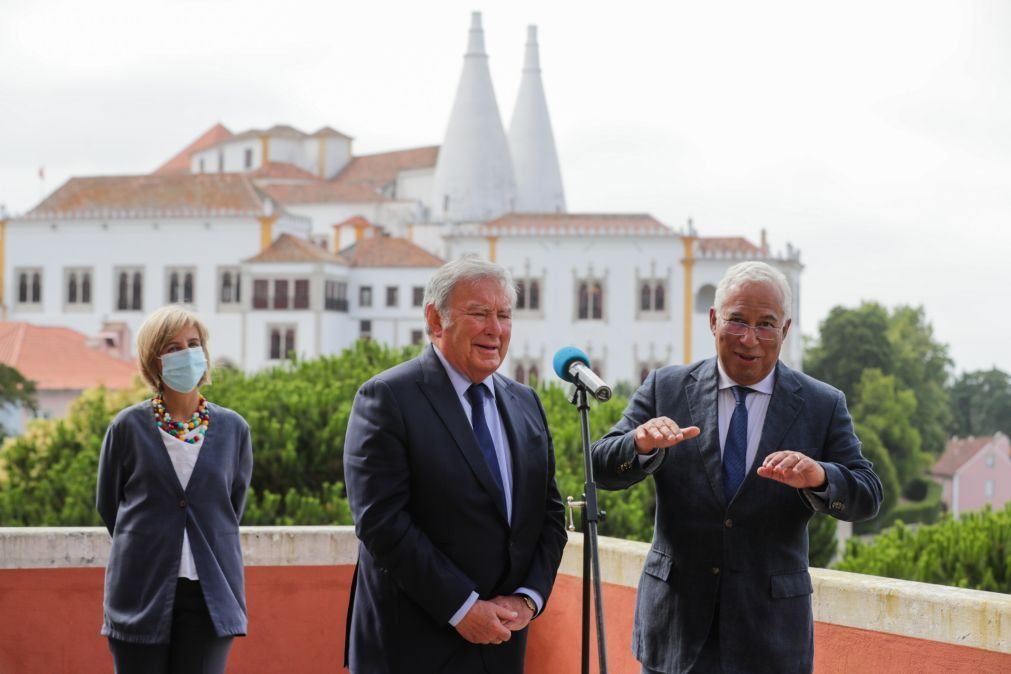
(450,476)
(743,451)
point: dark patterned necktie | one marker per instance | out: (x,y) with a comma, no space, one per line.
(476,395)
(735,451)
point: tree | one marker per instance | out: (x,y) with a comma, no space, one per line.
(922,365)
(875,452)
(822,546)
(981,403)
(15,390)
(885,408)
(973,551)
(850,341)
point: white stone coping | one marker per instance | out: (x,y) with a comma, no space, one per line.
(59,547)
(917,610)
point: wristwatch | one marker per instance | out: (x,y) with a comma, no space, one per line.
(529,602)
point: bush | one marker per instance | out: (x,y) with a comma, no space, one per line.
(973,551)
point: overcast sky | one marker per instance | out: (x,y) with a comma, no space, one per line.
(874,136)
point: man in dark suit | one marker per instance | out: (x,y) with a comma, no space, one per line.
(450,477)
(743,450)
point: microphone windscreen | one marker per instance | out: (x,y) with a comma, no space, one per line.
(564,359)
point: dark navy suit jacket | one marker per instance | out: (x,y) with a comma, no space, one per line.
(750,555)
(145,508)
(431,528)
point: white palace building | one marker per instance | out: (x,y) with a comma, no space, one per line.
(285,241)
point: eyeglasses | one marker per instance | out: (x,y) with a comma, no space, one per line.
(765,333)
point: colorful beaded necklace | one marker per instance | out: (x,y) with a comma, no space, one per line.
(178,429)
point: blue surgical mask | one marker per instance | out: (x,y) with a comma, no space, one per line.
(182,370)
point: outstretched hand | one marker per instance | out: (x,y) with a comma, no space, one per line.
(793,469)
(661,432)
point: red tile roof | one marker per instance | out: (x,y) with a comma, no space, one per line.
(729,245)
(959,451)
(172,195)
(181,162)
(290,248)
(283,170)
(381,169)
(568,224)
(323,193)
(60,359)
(388,251)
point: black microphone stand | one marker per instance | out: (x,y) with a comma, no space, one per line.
(591,558)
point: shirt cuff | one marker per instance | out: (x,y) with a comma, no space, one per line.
(650,462)
(816,498)
(462,611)
(533,594)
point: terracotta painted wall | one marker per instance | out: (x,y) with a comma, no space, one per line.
(49,622)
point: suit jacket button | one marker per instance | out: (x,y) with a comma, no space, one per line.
(728,523)
(837,505)
(716,570)
(182,503)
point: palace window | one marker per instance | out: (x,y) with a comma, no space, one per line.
(229,286)
(417,296)
(129,288)
(528,294)
(391,296)
(281,342)
(77,287)
(179,284)
(705,298)
(590,299)
(336,296)
(29,286)
(365,296)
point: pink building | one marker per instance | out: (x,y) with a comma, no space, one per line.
(975,472)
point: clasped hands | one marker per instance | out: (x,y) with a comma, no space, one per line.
(794,469)
(494,621)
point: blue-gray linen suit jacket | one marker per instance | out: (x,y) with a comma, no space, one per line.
(145,508)
(749,555)
(432,527)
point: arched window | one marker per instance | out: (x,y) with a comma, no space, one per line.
(238,286)
(520,375)
(645,301)
(23,288)
(188,288)
(173,295)
(36,288)
(72,289)
(123,302)
(705,298)
(226,287)
(598,300)
(658,297)
(137,291)
(86,287)
(584,301)
(535,295)
(521,295)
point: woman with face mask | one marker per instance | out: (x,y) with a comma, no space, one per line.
(172,481)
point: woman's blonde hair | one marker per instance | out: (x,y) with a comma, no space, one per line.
(157,331)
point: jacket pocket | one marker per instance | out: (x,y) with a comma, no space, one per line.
(658,564)
(796,584)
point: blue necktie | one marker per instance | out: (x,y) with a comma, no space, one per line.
(735,451)
(476,394)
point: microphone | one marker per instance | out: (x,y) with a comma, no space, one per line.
(573,366)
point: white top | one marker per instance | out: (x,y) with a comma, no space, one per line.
(184,456)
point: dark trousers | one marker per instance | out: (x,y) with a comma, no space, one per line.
(193,646)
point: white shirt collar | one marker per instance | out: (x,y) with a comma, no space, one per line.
(765,386)
(459,380)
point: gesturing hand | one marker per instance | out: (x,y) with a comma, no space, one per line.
(661,432)
(793,469)
(483,623)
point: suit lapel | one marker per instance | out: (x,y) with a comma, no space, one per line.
(437,387)
(511,411)
(701,392)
